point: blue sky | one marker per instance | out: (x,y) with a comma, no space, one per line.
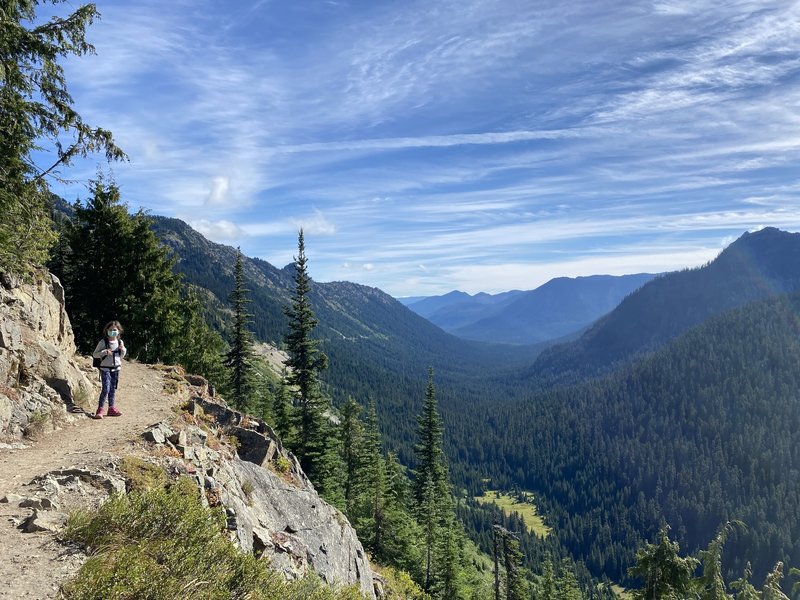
(468,144)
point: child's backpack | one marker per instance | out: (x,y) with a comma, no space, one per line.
(96,361)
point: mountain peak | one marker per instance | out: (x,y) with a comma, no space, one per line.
(766,234)
(757,265)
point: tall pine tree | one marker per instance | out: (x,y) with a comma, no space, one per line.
(318,456)
(351,432)
(516,588)
(239,358)
(283,412)
(434,503)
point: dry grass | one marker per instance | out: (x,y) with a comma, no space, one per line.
(39,423)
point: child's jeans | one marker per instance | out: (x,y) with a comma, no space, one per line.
(110,379)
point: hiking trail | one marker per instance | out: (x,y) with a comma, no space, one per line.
(34,565)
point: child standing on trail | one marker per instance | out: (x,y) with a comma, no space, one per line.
(110,351)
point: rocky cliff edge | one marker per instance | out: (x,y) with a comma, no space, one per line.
(40,374)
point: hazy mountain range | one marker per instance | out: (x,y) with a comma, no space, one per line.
(561,307)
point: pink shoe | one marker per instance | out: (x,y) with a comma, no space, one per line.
(98,414)
(113,412)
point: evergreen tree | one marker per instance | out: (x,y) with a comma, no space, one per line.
(512,559)
(711,584)
(283,412)
(306,361)
(429,476)
(265,389)
(772,585)
(431,471)
(375,482)
(36,113)
(94,278)
(397,536)
(667,576)
(549,586)
(202,354)
(239,358)
(434,503)
(351,433)
(449,555)
(744,589)
(113,267)
(568,588)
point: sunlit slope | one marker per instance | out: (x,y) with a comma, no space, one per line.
(755,266)
(702,431)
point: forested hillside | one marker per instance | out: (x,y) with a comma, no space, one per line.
(700,432)
(377,347)
(755,266)
(610,460)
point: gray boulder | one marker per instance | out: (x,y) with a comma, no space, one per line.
(272,508)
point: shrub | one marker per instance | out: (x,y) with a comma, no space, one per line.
(142,475)
(163,544)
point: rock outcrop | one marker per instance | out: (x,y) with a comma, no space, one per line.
(39,372)
(272,507)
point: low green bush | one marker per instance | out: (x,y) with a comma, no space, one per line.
(162,544)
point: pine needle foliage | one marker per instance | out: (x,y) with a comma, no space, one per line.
(37,117)
(305,362)
(239,358)
(667,575)
(442,533)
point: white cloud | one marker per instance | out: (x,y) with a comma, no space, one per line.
(442,141)
(219,191)
(219,231)
(315,224)
(449,132)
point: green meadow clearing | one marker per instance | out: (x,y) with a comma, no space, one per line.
(512,504)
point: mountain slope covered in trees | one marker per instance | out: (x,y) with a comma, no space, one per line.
(687,435)
(377,347)
(755,266)
(698,433)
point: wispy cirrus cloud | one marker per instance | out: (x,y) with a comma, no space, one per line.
(459,135)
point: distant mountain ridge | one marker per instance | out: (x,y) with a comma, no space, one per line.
(561,307)
(755,266)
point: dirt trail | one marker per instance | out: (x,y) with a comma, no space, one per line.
(33,565)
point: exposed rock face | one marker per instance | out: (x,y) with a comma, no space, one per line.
(272,507)
(39,372)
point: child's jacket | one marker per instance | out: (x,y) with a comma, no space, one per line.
(113,361)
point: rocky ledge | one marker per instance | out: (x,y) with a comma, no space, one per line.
(272,507)
(40,374)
